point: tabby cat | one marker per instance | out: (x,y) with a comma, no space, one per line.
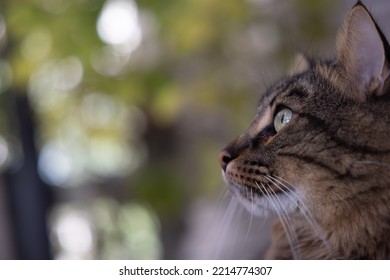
(317,153)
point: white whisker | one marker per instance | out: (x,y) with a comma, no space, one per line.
(226,220)
(250,221)
(282,217)
(302,207)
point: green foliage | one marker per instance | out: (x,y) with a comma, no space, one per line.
(196,75)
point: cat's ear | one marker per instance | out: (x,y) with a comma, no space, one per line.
(362,52)
(300,63)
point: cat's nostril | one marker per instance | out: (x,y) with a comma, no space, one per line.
(224,158)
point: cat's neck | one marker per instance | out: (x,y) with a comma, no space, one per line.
(359,234)
(362,231)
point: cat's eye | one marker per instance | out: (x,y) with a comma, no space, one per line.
(282,118)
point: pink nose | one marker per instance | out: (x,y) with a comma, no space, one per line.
(224,158)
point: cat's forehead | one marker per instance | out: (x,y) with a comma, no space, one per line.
(284,92)
(296,88)
(302,93)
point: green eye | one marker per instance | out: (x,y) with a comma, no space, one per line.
(282,118)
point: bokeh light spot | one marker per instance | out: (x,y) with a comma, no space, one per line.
(37,45)
(118,25)
(54,164)
(73,232)
(4,152)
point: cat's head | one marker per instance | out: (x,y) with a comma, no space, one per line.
(315,133)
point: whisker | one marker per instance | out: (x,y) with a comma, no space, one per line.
(294,249)
(340,199)
(301,203)
(281,216)
(226,220)
(248,72)
(303,209)
(289,194)
(250,221)
(222,198)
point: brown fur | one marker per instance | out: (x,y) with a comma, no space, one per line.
(327,172)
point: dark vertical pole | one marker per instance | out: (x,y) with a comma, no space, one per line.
(29,196)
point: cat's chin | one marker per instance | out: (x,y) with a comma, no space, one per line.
(262,205)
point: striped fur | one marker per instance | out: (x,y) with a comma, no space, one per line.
(326,174)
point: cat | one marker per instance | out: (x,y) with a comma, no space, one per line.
(317,154)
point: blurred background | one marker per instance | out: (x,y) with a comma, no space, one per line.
(113,112)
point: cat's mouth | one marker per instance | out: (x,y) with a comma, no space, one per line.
(249,187)
(262,197)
